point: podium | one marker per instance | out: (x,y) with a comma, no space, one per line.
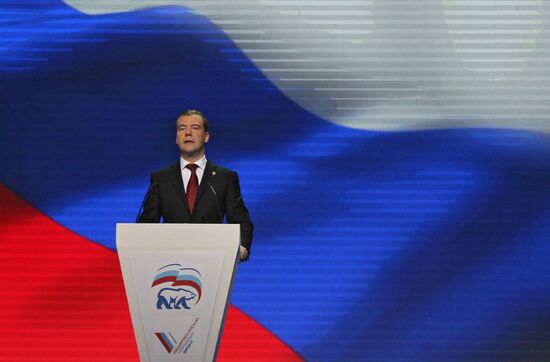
(178,279)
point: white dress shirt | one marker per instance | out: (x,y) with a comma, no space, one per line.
(186,173)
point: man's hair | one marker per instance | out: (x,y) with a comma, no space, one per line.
(190,112)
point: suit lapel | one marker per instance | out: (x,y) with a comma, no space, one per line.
(209,174)
(177,181)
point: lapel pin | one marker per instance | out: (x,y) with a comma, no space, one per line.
(213,173)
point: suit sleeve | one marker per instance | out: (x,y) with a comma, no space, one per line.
(236,211)
(151,207)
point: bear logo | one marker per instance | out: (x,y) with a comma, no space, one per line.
(174,298)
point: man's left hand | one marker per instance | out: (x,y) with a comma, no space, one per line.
(244,253)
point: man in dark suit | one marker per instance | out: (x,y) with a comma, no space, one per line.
(195,190)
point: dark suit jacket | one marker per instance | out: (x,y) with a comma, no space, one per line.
(167,201)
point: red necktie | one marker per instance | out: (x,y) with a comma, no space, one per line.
(192,186)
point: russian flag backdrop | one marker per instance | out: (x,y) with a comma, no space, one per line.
(394,157)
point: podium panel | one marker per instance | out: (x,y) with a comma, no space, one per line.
(178,279)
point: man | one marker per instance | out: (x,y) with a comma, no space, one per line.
(195,190)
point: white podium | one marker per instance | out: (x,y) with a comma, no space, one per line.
(178,279)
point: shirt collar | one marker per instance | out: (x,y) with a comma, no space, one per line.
(201,163)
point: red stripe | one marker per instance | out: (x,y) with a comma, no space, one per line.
(244,339)
(51,314)
(167,279)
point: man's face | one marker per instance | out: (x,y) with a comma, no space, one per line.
(191,137)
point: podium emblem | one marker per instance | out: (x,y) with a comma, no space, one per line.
(172,345)
(177,287)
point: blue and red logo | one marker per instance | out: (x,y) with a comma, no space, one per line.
(167,340)
(180,287)
(172,345)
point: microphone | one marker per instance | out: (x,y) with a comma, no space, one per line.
(217,202)
(153,185)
